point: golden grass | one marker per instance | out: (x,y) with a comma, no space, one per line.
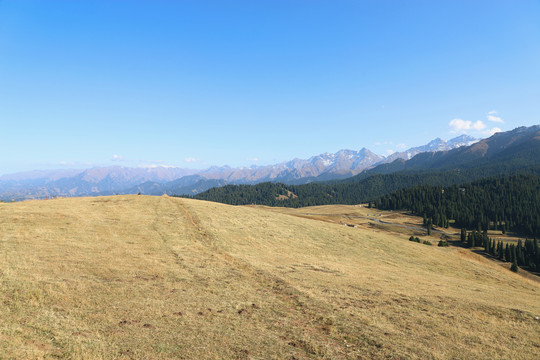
(164,278)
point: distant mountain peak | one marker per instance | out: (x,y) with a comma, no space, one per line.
(326,166)
(434,145)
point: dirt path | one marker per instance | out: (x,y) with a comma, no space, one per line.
(280,296)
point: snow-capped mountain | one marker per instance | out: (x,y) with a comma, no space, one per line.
(463,140)
(160,180)
(435,145)
(343,162)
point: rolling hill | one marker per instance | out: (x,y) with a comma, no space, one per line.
(158,277)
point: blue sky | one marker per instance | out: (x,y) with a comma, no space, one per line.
(200,83)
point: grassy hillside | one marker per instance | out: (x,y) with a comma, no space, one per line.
(157,277)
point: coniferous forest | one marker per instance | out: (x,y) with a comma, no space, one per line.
(339,192)
(524,254)
(509,203)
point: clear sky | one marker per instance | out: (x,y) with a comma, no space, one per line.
(200,83)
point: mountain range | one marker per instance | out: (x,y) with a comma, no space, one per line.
(170,180)
(498,157)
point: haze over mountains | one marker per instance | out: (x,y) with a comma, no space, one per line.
(170,180)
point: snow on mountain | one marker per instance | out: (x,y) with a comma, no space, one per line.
(434,145)
(113,179)
(463,140)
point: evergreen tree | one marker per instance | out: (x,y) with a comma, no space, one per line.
(514,267)
(513,201)
(519,253)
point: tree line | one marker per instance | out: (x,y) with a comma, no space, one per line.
(510,203)
(337,192)
(525,254)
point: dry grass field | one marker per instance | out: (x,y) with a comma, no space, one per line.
(137,277)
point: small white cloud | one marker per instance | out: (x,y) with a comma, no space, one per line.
(190,160)
(401,146)
(492,112)
(253,159)
(116,157)
(478,125)
(460,125)
(493,131)
(383,143)
(389,152)
(494,118)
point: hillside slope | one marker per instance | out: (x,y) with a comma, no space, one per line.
(159,277)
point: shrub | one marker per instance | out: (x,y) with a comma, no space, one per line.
(443,243)
(425,242)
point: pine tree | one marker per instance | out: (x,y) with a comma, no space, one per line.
(463,235)
(514,267)
(536,260)
(520,255)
